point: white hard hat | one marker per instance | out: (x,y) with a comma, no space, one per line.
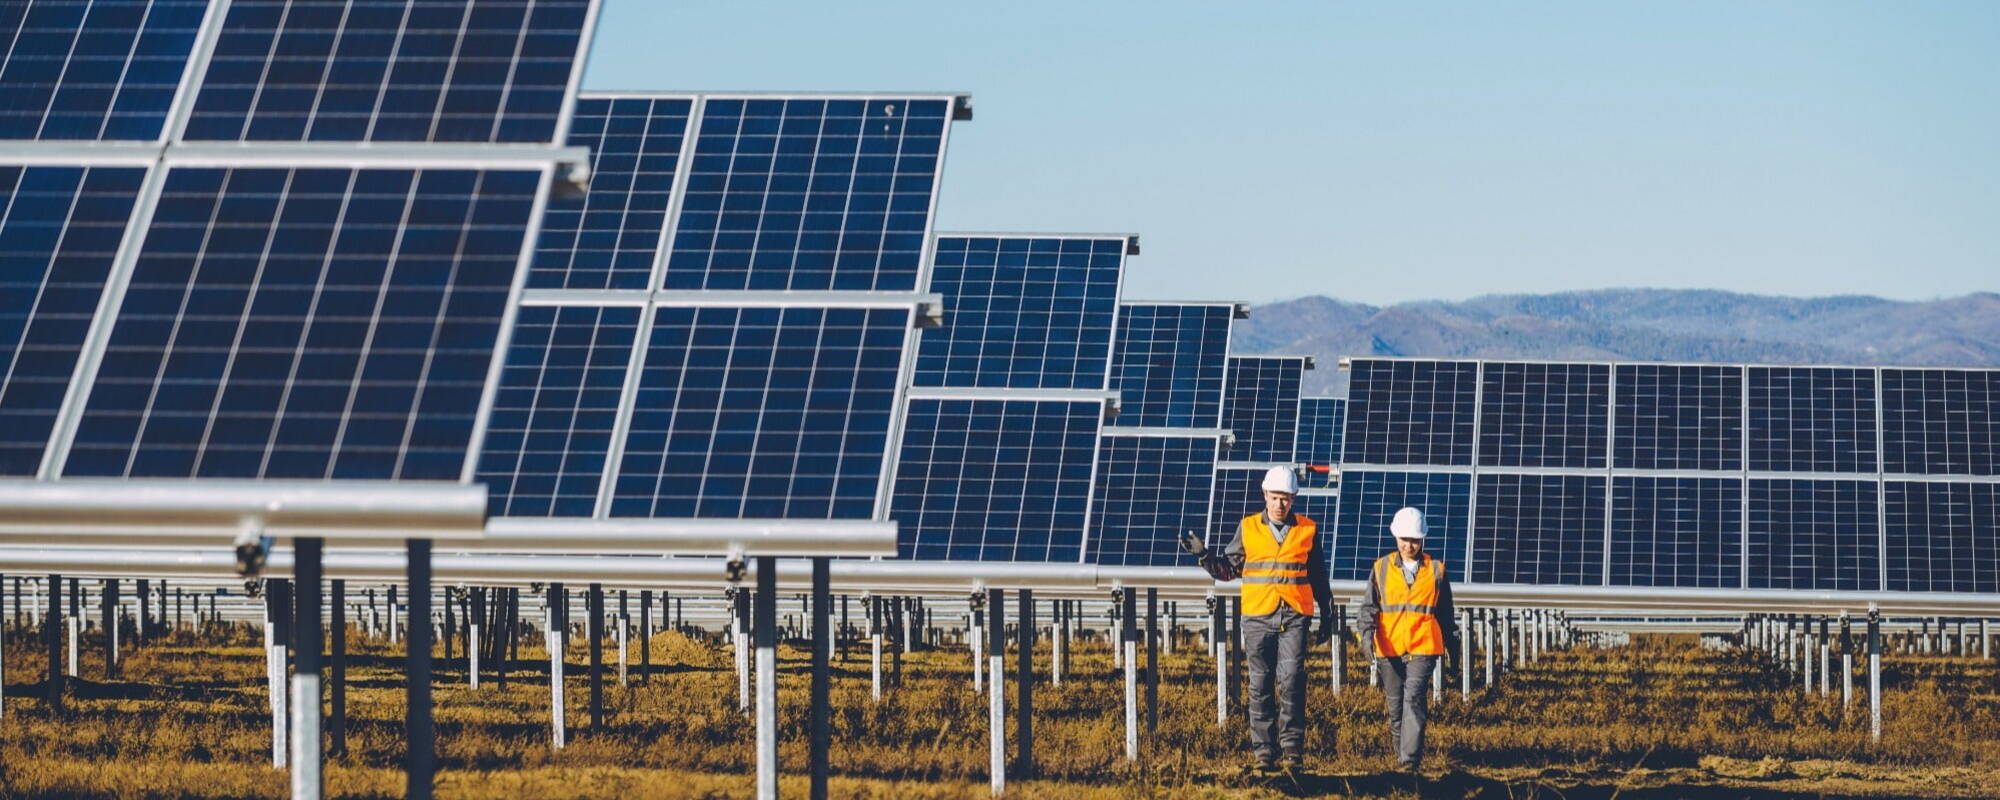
(1408,524)
(1281,479)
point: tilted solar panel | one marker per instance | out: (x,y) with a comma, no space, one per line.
(1676,532)
(553,415)
(308,323)
(996,479)
(479,71)
(610,237)
(1546,530)
(1678,417)
(1543,414)
(1150,490)
(1814,534)
(1368,499)
(1942,537)
(93,70)
(1410,412)
(1941,421)
(1320,422)
(60,228)
(1262,406)
(1024,312)
(1812,419)
(762,412)
(809,194)
(1168,363)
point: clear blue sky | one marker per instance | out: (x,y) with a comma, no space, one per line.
(1394,151)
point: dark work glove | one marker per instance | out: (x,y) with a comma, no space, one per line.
(1452,649)
(1322,632)
(1192,544)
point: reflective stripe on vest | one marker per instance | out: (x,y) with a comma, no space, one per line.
(1408,623)
(1275,572)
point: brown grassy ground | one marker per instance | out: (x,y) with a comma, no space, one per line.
(1663,718)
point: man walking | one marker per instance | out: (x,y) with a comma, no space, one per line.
(1279,557)
(1406,615)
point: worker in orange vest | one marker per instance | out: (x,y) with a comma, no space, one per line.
(1283,565)
(1406,616)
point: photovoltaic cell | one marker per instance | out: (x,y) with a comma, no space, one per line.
(1369,499)
(552,419)
(1943,537)
(1678,417)
(1814,534)
(995,480)
(762,413)
(93,69)
(1546,530)
(1544,415)
(1320,422)
(809,194)
(1410,412)
(1941,421)
(1168,362)
(1150,489)
(1022,312)
(610,237)
(1685,532)
(308,323)
(1262,406)
(59,231)
(484,71)
(1812,419)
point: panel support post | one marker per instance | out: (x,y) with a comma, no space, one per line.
(418,731)
(52,637)
(1128,636)
(765,629)
(306,570)
(874,647)
(978,651)
(822,677)
(1464,651)
(1152,661)
(1024,685)
(1337,646)
(1874,674)
(739,638)
(996,698)
(336,727)
(1846,661)
(596,622)
(553,640)
(1217,625)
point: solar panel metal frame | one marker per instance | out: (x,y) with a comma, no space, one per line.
(1223,439)
(1878,477)
(1238,310)
(929,271)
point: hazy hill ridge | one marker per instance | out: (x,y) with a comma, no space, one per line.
(1631,325)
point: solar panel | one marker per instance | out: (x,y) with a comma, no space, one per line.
(484,71)
(1150,488)
(1942,537)
(1546,530)
(1168,363)
(991,479)
(1262,406)
(1025,312)
(1543,414)
(93,70)
(1239,493)
(762,412)
(1368,499)
(1812,419)
(1678,417)
(1814,534)
(1941,421)
(553,415)
(610,237)
(1402,412)
(308,323)
(1320,422)
(1684,532)
(809,194)
(59,230)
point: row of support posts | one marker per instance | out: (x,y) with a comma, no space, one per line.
(1799,647)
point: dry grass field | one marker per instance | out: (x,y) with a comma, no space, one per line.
(1662,718)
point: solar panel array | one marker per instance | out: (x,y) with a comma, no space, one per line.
(1706,476)
(721,326)
(264,310)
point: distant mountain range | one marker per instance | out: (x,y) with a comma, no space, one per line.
(1630,325)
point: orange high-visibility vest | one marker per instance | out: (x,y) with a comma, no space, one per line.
(1408,623)
(1273,572)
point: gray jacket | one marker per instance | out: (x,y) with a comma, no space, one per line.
(1371,605)
(1228,566)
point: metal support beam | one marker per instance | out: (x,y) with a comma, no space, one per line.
(765,629)
(418,731)
(306,780)
(1128,636)
(822,677)
(52,687)
(595,620)
(1024,685)
(1874,676)
(336,727)
(996,709)
(1152,661)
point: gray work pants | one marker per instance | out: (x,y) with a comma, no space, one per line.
(1406,684)
(1276,644)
